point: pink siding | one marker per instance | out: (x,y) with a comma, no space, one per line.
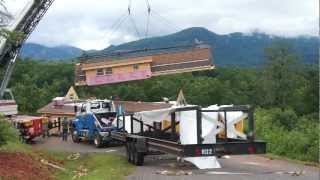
(116,78)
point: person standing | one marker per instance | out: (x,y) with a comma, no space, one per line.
(44,129)
(65,129)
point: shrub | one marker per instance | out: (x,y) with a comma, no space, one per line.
(287,134)
(7,132)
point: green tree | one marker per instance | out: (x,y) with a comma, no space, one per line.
(280,76)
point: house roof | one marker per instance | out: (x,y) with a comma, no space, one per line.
(129,107)
(132,106)
(57,110)
(119,55)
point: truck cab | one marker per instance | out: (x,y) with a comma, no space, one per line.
(94,122)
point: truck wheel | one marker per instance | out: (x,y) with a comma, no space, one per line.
(75,137)
(97,141)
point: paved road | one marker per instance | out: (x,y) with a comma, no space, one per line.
(164,167)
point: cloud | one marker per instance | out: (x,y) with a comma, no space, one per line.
(88,23)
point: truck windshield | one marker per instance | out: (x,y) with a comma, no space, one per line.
(95,105)
(106,105)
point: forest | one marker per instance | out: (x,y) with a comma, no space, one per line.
(284,92)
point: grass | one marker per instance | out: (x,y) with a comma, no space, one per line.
(16,147)
(307,163)
(98,165)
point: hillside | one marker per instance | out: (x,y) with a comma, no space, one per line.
(40,52)
(231,49)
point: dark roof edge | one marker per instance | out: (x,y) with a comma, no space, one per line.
(126,54)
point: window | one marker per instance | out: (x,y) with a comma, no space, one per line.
(82,76)
(135,67)
(99,72)
(83,108)
(95,105)
(108,71)
(106,106)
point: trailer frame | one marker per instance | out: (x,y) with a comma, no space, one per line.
(160,140)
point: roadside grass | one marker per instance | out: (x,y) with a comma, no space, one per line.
(16,147)
(95,166)
(307,163)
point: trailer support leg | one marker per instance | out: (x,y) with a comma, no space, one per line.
(251,125)
(199,127)
(131,124)
(225,126)
(173,125)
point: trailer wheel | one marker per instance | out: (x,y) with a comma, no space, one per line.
(128,151)
(138,157)
(97,141)
(132,152)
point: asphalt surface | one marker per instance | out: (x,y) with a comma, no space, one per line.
(165,167)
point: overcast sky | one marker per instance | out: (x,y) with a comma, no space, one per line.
(90,24)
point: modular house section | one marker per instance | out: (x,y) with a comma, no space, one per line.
(119,67)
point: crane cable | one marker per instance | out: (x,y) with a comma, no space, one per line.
(132,20)
(155,14)
(148,18)
(115,26)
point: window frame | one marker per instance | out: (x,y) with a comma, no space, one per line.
(108,71)
(135,67)
(100,72)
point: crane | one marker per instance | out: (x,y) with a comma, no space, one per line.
(25,23)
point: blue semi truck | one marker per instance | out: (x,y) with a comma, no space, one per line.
(94,122)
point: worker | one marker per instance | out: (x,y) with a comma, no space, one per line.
(65,129)
(45,129)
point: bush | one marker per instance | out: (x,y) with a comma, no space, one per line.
(287,134)
(7,132)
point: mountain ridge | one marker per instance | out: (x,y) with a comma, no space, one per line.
(242,49)
(41,52)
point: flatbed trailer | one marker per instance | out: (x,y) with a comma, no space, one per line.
(166,140)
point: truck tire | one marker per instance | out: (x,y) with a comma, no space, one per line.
(97,141)
(75,137)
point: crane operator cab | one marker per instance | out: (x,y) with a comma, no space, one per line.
(94,122)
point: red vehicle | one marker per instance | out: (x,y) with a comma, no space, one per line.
(30,126)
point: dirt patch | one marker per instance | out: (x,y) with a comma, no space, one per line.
(22,166)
